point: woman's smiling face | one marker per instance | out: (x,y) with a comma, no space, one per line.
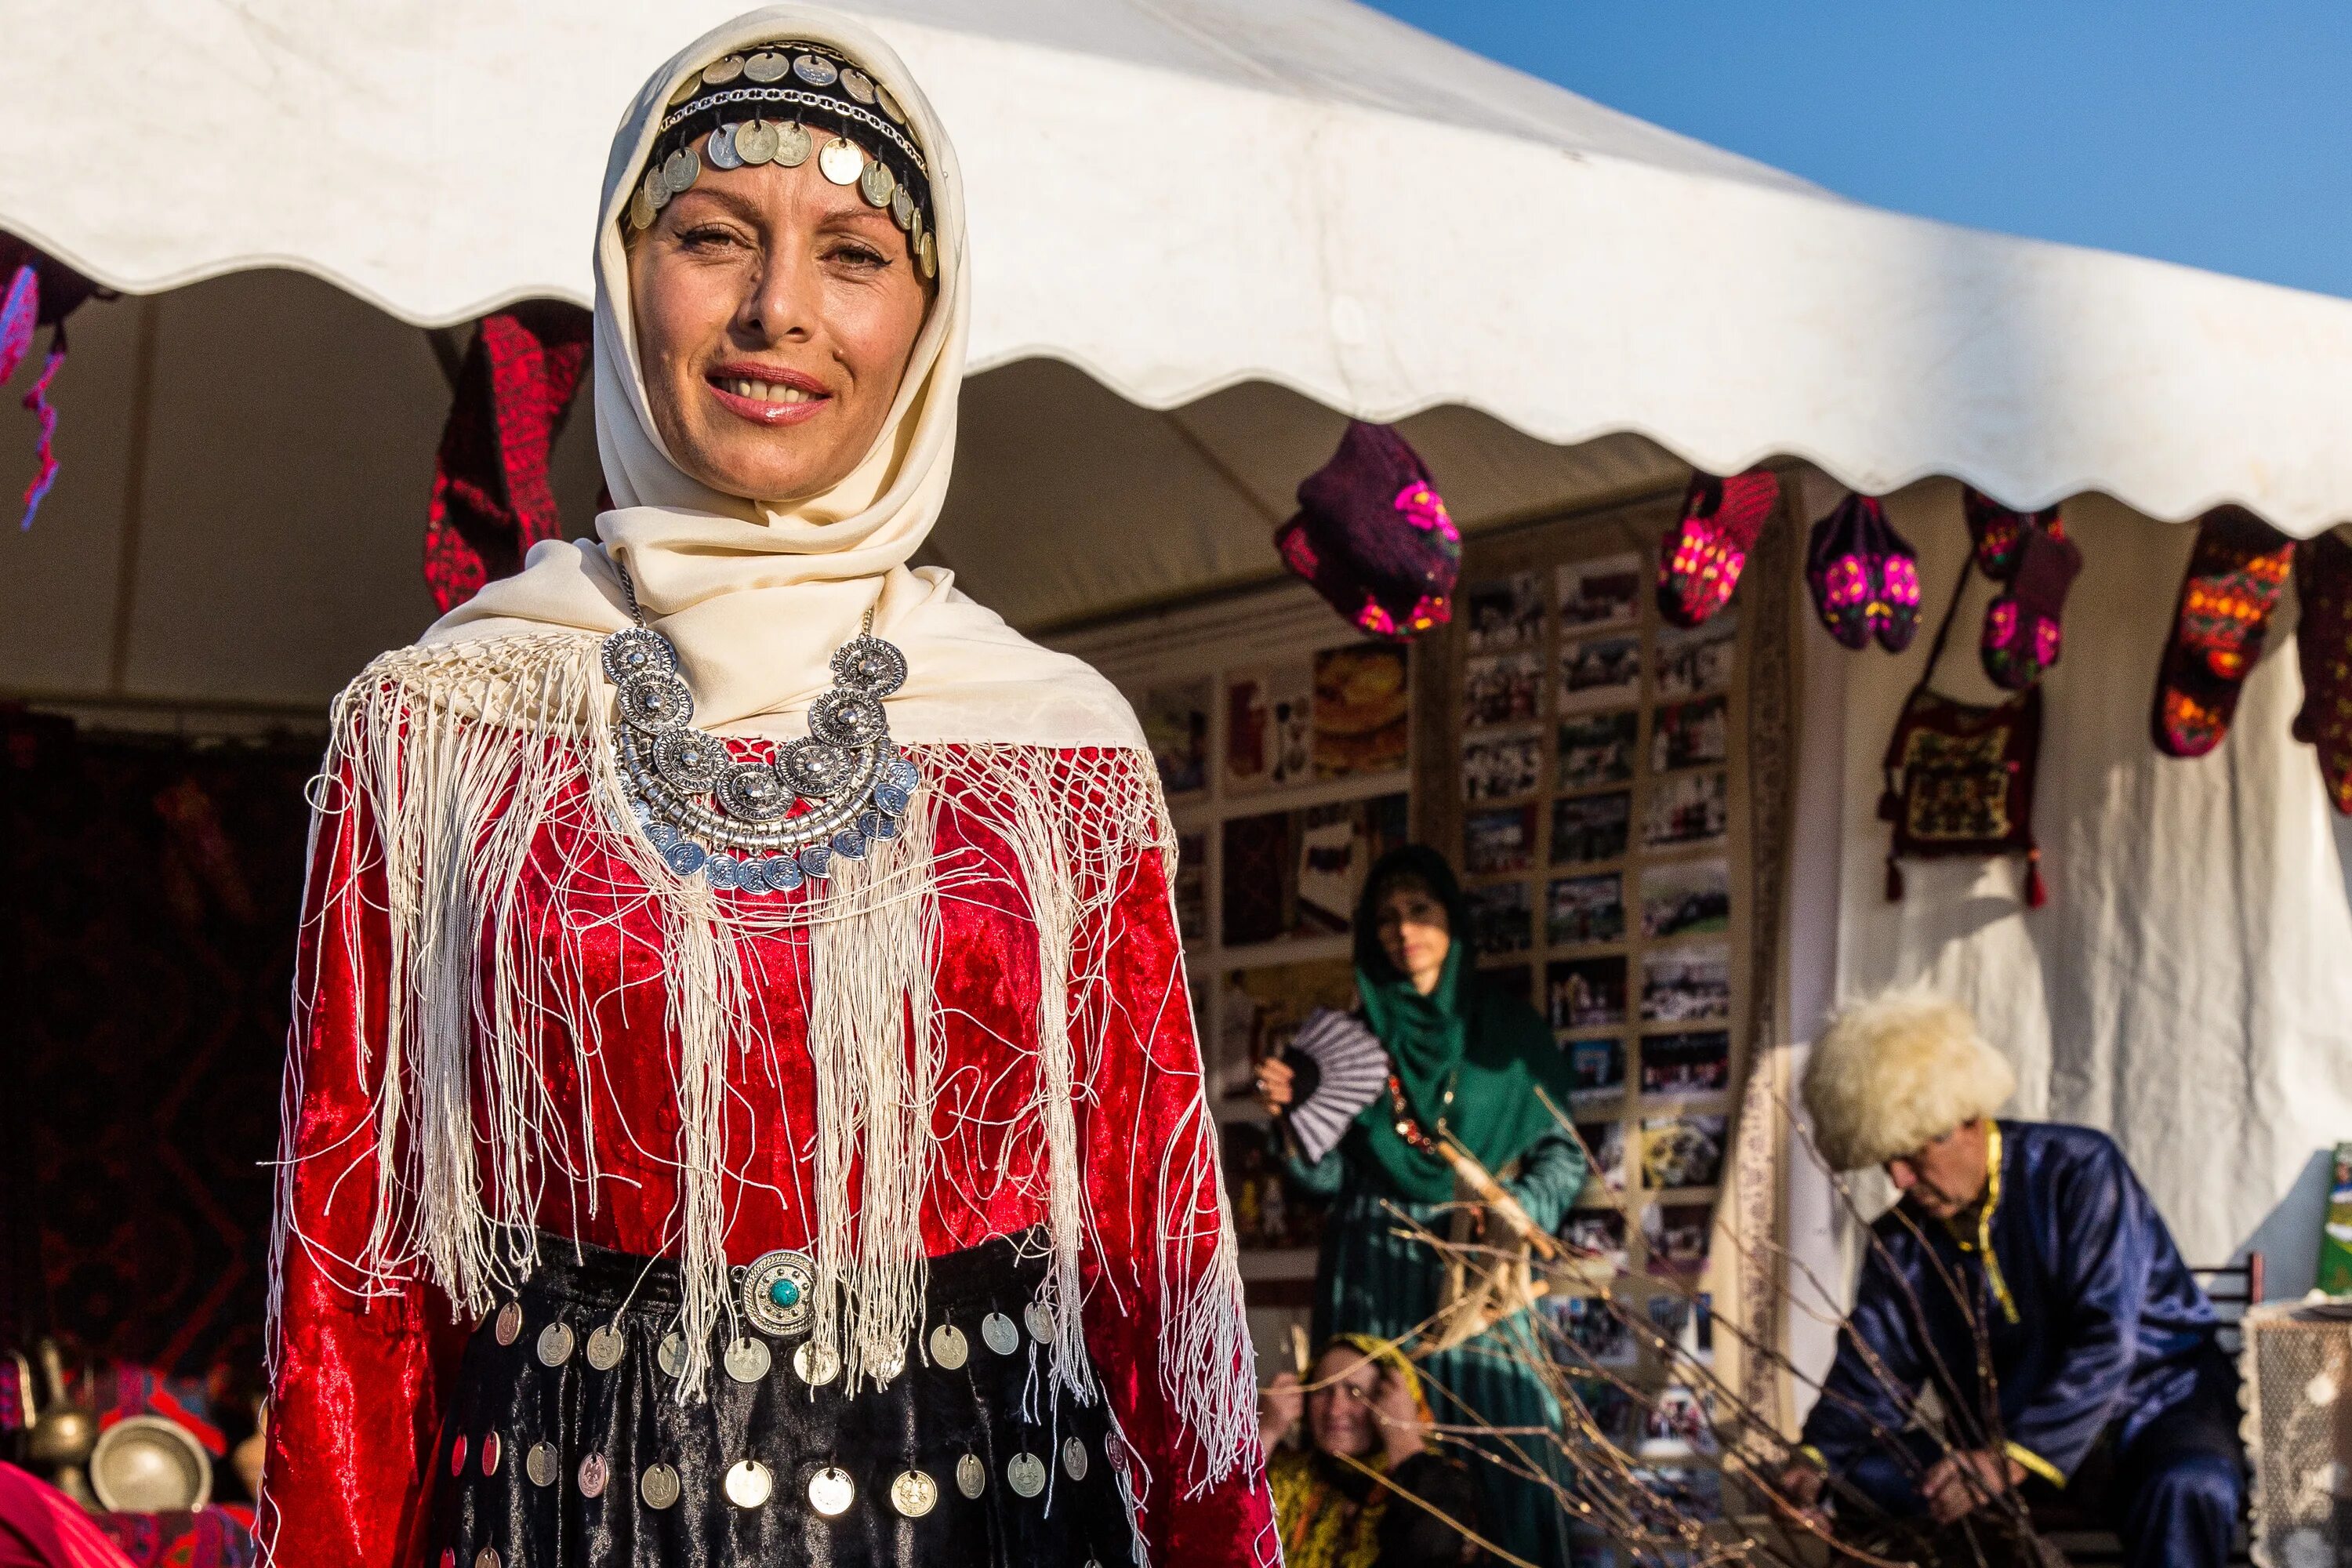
(775,311)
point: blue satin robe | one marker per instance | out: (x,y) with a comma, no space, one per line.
(2094,1326)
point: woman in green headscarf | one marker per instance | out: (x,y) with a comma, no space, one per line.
(1466,1058)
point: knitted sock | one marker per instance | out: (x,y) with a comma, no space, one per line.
(1999,534)
(1700,559)
(2232,588)
(2322,647)
(1895,577)
(1839,574)
(2020,629)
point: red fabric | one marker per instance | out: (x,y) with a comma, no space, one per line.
(140,1390)
(360,1383)
(218,1535)
(2236,573)
(40,1527)
(1701,557)
(491,501)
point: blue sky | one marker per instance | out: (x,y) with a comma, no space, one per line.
(2219,135)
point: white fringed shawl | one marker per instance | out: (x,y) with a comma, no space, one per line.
(466,760)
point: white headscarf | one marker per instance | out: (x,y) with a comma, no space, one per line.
(755,595)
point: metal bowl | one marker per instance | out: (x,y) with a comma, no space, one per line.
(145,1464)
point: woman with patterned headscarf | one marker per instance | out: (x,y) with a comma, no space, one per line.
(1366,1489)
(739,972)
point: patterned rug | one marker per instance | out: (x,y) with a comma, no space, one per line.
(148,948)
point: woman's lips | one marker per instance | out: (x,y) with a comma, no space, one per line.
(766,401)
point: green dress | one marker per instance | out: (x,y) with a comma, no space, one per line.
(1471,1056)
(1372,1281)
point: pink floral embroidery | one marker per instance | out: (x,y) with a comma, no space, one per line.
(1901,576)
(1426,509)
(1848,581)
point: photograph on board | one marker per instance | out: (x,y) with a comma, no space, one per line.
(1590,827)
(1603,592)
(1686,898)
(1581,909)
(1504,613)
(1597,750)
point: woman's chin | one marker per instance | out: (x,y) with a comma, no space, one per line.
(757,475)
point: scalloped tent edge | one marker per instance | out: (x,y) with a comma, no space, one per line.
(1643,283)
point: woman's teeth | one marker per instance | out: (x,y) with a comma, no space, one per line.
(766,390)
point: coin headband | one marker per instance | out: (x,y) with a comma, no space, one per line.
(783,103)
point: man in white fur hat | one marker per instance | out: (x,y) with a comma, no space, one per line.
(2101,1342)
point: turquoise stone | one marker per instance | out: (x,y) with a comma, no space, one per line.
(785,1292)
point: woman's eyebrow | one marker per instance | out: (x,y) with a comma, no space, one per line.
(860,213)
(735,201)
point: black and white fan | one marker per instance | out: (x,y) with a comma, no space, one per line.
(1350,1069)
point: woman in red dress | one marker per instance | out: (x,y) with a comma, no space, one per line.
(744,1102)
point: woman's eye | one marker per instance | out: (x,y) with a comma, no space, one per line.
(859,255)
(709,237)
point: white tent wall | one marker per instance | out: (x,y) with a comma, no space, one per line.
(2187,988)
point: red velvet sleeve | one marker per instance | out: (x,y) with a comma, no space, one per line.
(1167,1337)
(357,1364)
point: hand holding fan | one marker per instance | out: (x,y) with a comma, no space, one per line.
(1351,1068)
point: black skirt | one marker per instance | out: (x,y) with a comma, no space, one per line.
(566,1445)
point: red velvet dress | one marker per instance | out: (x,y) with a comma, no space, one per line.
(363,1362)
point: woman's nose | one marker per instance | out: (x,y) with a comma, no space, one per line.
(781,302)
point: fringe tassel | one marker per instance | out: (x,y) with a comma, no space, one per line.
(20,312)
(44,455)
(2036,893)
(482,769)
(1894,881)
(870,973)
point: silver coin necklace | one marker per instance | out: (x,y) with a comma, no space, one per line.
(737,823)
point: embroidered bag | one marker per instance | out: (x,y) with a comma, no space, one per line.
(1960,777)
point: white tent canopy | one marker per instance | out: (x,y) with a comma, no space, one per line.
(1179,197)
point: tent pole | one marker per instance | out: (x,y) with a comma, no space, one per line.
(135,493)
(1223,469)
(448,350)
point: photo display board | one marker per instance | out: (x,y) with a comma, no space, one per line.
(1287,776)
(1595,782)
(1586,764)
